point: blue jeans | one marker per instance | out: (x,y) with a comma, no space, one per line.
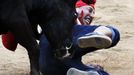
(52,66)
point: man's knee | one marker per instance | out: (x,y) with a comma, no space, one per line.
(115,35)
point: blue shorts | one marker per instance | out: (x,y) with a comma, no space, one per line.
(51,66)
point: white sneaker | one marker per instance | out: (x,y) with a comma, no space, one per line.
(74,71)
(95,40)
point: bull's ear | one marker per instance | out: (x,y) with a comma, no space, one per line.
(89,1)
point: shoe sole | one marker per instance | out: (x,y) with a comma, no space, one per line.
(74,71)
(97,41)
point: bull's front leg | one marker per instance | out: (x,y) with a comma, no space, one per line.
(24,36)
(33,52)
(18,23)
(34,60)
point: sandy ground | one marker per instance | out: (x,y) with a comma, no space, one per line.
(117,60)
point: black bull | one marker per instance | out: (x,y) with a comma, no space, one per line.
(56,18)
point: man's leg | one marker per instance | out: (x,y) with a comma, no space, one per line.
(95,36)
(82,31)
(48,64)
